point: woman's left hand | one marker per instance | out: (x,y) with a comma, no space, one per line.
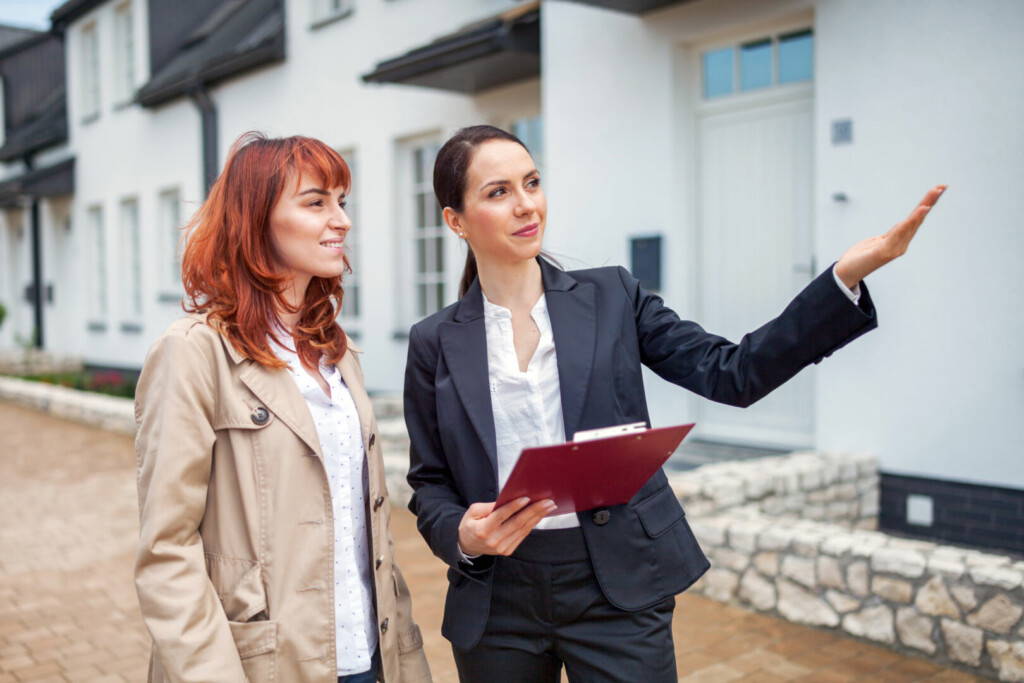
(866,257)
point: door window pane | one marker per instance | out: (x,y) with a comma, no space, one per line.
(756,65)
(796,57)
(718,72)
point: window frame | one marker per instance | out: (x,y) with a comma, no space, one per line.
(90,93)
(170,244)
(124,54)
(351,309)
(735,46)
(131,308)
(99,305)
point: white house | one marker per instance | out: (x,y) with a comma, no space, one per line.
(725,150)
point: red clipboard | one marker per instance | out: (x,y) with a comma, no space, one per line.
(581,475)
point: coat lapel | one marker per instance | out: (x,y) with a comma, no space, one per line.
(573,316)
(278,392)
(464,345)
(352,374)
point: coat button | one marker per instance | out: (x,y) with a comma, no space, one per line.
(378,563)
(373,440)
(384,626)
(260,416)
(601,517)
(377,503)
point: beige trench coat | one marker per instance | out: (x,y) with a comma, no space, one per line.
(235,563)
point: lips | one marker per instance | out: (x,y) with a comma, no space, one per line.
(337,245)
(528,231)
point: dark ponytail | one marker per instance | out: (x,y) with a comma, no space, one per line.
(450,169)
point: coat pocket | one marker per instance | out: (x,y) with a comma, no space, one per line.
(256,642)
(659,511)
(239,585)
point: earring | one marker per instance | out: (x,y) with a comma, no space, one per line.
(462,234)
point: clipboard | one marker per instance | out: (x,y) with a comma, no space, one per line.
(596,472)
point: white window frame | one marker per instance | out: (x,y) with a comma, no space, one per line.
(171,242)
(411,191)
(736,45)
(3,101)
(90,93)
(323,12)
(97,251)
(124,54)
(351,309)
(130,260)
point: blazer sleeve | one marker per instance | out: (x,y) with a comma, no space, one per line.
(819,321)
(174,445)
(435,500)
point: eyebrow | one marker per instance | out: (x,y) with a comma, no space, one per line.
(506,182)
(320,191)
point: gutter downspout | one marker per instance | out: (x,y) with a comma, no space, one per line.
(37,265)
(208,123)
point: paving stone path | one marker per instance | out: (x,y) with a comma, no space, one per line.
(68,610)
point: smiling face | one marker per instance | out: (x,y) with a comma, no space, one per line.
(504,208)
(308,226)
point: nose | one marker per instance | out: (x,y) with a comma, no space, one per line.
(339,219)
(526,204)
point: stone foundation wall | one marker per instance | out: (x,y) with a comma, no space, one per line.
(953,605)
(36,362)
(822,486)
(107,412)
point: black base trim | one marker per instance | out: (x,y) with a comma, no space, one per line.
(963,514)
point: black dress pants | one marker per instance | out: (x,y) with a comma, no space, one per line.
(548,611)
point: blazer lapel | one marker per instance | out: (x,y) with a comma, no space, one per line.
(464,345)
(571,307)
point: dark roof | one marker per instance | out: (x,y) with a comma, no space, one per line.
(493,52)
(69,11)
(229,38)
(632,6)
(13,35)
(35,105)
(52,181)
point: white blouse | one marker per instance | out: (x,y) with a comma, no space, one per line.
(341,442)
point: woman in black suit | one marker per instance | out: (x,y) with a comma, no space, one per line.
(530,355)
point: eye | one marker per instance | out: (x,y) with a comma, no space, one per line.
(496,191)
(317,202)
(533,182)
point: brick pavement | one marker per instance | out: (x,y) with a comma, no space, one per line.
(68,610)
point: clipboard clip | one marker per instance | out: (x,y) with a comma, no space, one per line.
(605,432)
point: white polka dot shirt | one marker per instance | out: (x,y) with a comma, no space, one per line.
(341,442)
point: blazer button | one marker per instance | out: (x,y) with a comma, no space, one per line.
(377,503)
(373,440)
(601,517)
(384,626)
(378,563)
(260,416)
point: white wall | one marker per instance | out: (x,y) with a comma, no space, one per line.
(935,95)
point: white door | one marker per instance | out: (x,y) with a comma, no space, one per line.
(754,220)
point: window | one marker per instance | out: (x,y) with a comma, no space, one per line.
(350,302)
(531,132)
(325,11)
(428,235)
(124,54)
(170,229)
(130,279)
(3,122)
(762,63)
(645,261)
(98,259)
(90,73)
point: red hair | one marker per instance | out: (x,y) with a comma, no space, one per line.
(229,267)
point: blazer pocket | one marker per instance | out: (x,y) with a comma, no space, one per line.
(659,512)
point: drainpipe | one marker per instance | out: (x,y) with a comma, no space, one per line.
(208,122)
(37,264)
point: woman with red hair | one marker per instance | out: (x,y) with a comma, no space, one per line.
(264,549)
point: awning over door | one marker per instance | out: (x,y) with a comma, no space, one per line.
(484,55)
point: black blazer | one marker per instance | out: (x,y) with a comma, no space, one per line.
(605,326)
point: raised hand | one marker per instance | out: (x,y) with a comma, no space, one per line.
(867,256)
(486,531)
